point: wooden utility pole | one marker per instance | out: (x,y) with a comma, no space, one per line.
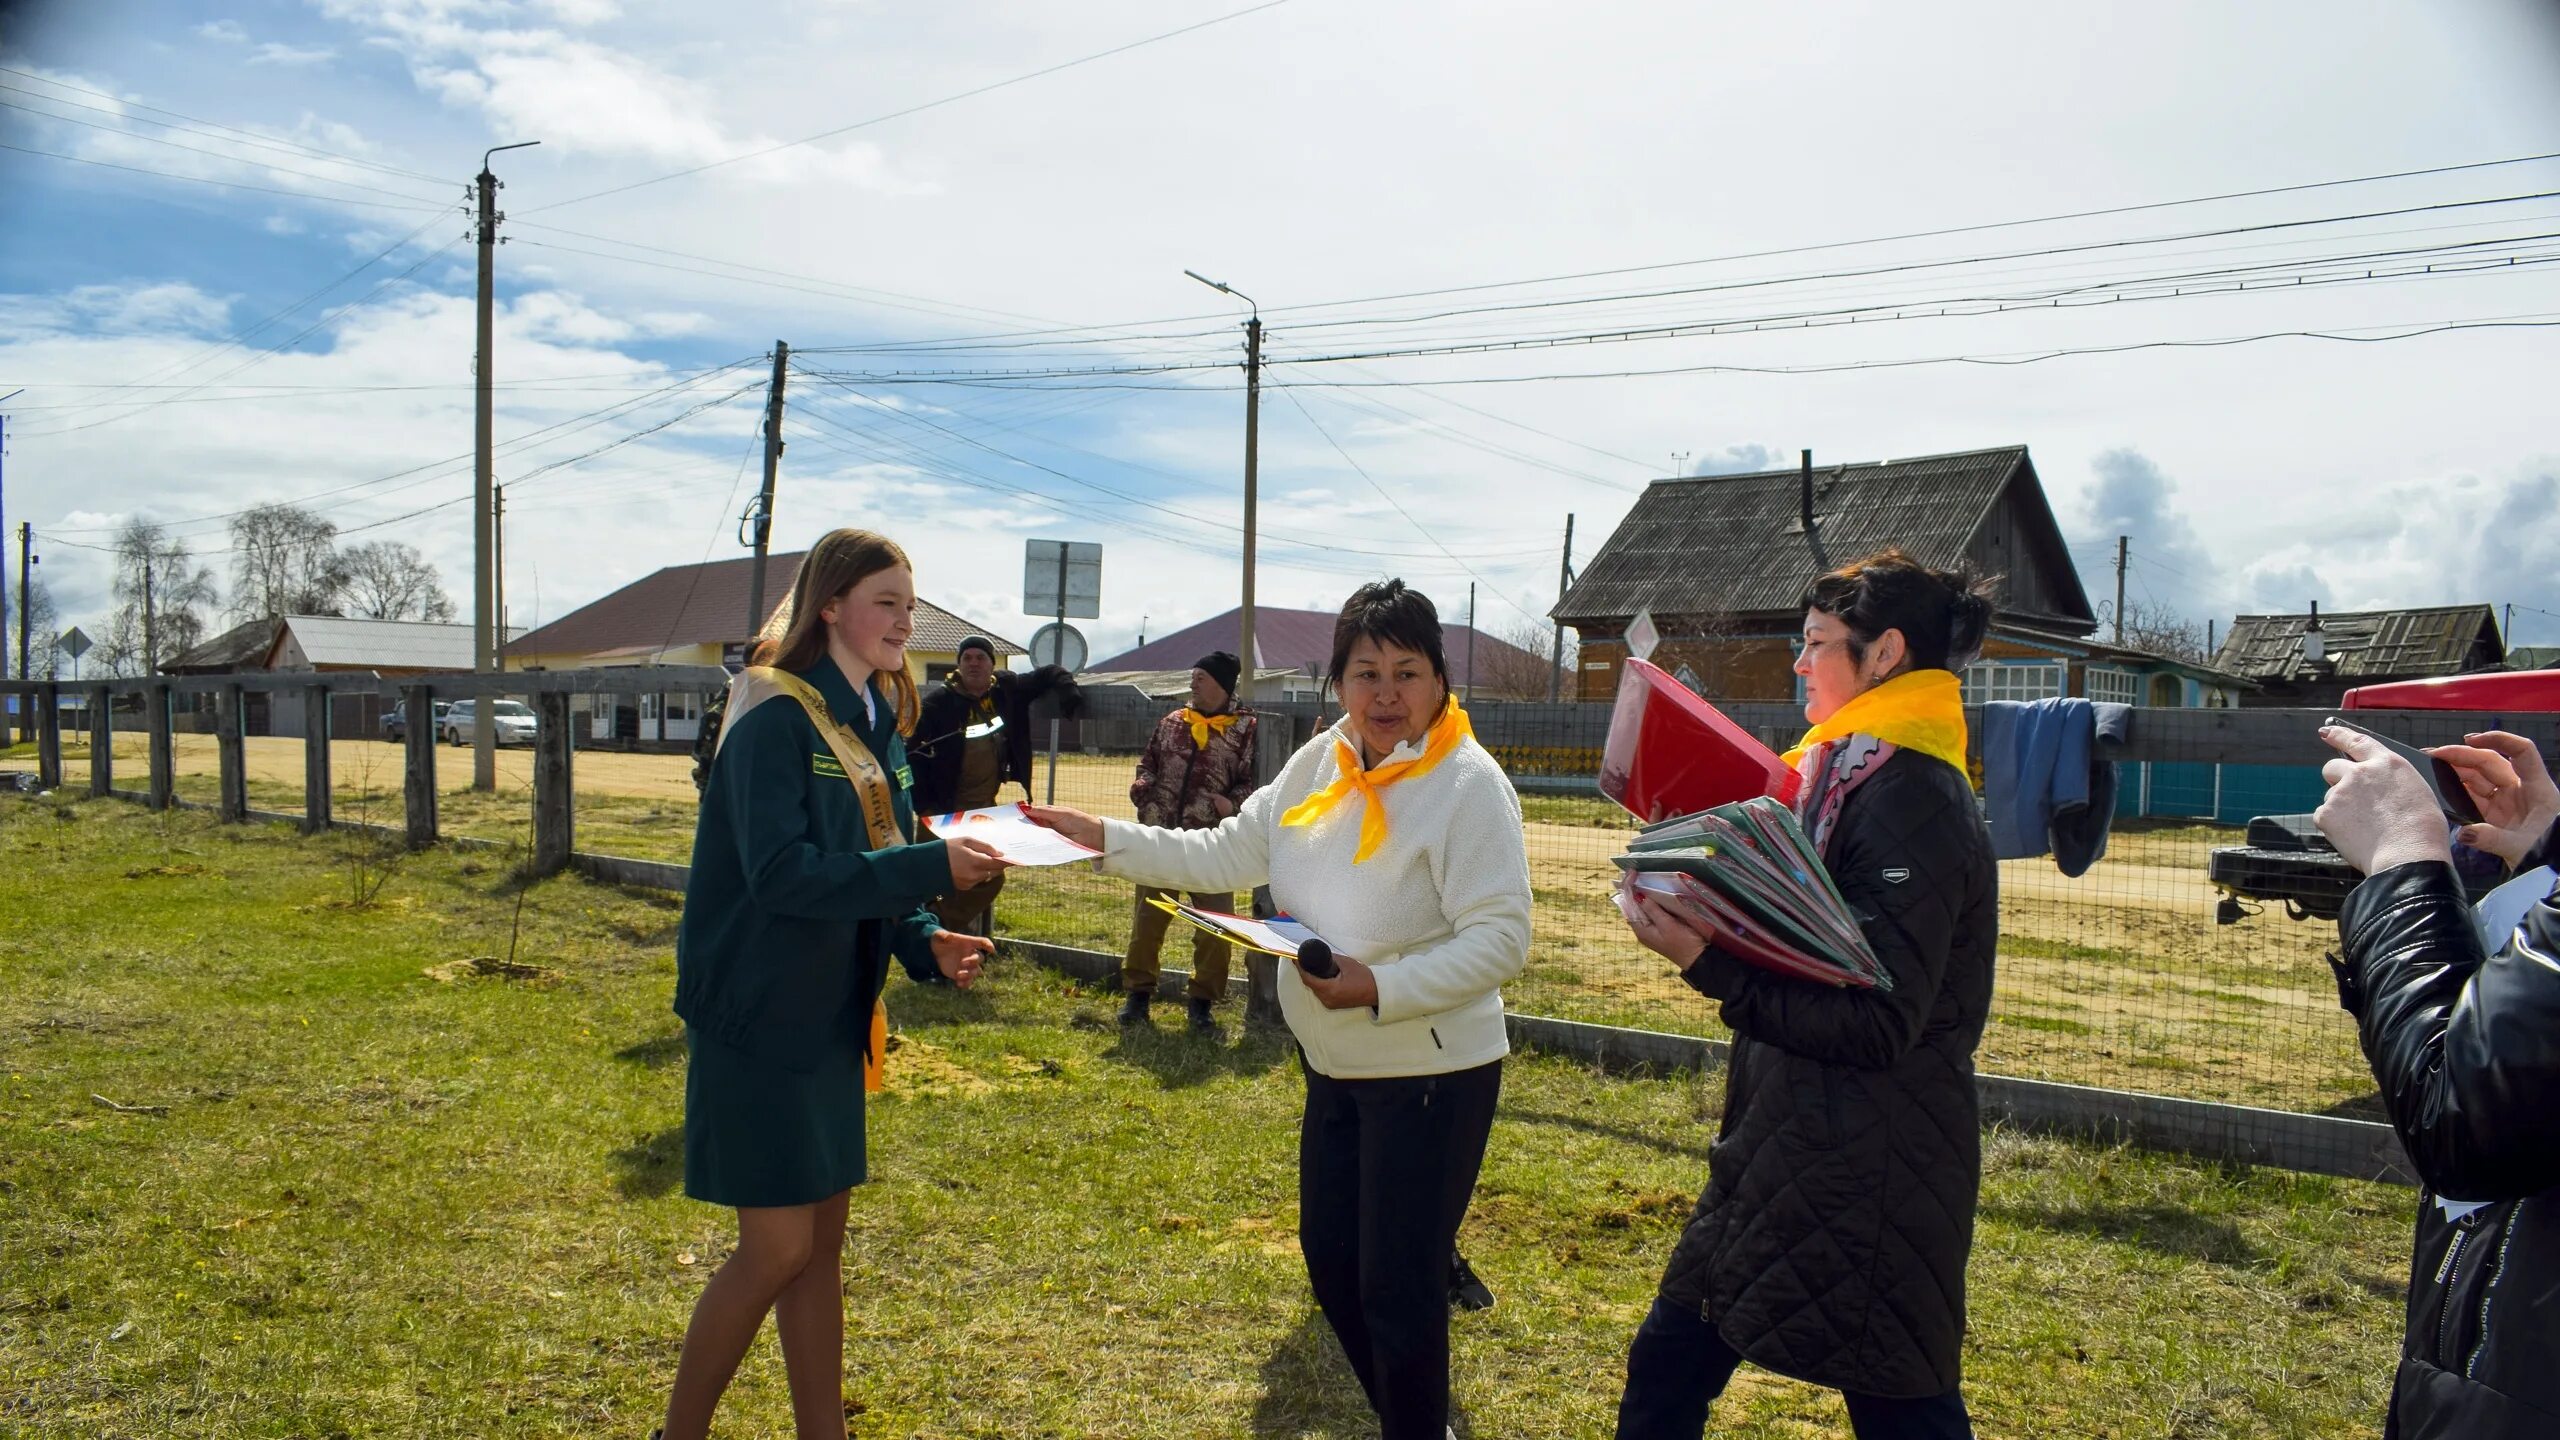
(1564,582)
(763,516)
(1471,642)
(484,647)
(26,567)
(2122,544)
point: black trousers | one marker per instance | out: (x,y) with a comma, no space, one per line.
(1385,1168)
(1678,1365)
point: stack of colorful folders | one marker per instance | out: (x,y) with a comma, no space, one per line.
(1749,869)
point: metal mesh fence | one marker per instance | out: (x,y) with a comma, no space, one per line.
(2187,963)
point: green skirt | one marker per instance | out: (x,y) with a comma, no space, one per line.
(757,1134)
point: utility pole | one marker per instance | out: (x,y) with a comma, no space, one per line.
(26,567)
(763,517)
(484,649)
(1471,642)
(498,574)
(4,511)
(2122,542)
(1564,582)
(150,623)
(2506,635)
(1245,648)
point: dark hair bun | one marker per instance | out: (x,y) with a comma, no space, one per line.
(1944,615)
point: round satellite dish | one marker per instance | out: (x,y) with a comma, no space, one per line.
(1056,644)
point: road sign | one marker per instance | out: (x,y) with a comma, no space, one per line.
(1643,635)
(1058,644)
(1050,567)
(73,643)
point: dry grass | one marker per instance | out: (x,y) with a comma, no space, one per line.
(343,1198)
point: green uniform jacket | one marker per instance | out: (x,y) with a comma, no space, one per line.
(789,915)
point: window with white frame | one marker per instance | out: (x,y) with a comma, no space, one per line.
(2108,683)
(683,705)
(2029,680)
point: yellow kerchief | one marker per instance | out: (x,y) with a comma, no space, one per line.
(1919,710)
(1442,738)
(1201,725)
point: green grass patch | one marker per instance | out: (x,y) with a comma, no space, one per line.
(342,1197)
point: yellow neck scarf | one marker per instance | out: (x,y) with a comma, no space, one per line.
(1919,710)
(1201,725)
(1442,738)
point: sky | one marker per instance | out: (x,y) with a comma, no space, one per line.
(234,268)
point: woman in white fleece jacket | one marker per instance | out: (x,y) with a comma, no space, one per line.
(1395,836)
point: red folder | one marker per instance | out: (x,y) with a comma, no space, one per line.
(1671,753)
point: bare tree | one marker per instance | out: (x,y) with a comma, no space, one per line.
(161,596)
(390,580)
(41,619)
(2155,628)
(284,561)
(1518,667)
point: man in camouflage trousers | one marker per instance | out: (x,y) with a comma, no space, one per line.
(1197,771)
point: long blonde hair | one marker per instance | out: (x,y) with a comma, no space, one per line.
(796,637)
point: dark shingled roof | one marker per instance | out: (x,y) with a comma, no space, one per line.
(242,647)
(706,605)
(1734,545)
(2367,644)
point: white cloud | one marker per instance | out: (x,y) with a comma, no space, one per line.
(226,31)
(281,225)
(582,12)
(275,53)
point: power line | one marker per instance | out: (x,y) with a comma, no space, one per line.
(917,109)
(250,136)
(226,184)
(1927,234)
(1417,525)
(2348,336)
(198,149)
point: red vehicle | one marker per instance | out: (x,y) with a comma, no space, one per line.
(2288,859)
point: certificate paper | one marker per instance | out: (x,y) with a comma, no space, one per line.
(1007,830)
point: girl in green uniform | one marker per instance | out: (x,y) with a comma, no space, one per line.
(803,887)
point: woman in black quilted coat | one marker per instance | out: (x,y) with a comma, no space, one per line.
(1830,1243)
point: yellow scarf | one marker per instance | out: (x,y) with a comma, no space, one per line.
(1919,710)
(1201,725)
(1442,738)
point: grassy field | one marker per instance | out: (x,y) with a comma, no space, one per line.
(2119,978)
(264,1175)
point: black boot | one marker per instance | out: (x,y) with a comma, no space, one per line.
(1203,1022)
(1133,1011)
(1466,1291)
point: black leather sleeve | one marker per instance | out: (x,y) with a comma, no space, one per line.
(2466,1047)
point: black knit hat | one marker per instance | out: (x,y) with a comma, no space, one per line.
(1223,668)
(977,642)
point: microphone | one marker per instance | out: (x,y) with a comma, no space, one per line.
(1316,958)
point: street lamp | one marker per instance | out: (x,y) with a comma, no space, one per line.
(1245,647)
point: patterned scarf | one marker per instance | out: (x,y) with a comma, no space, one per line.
(1201,725)
(1370,785)
(1921,710)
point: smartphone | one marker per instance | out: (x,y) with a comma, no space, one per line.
(2451,797)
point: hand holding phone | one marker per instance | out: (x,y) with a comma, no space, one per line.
(2452,797)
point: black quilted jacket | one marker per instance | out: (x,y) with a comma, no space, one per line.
(1830,1243)
(2468,1052)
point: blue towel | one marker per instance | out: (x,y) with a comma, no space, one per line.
(2048,785)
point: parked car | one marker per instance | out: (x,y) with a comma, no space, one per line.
(395,726)
(514,718)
